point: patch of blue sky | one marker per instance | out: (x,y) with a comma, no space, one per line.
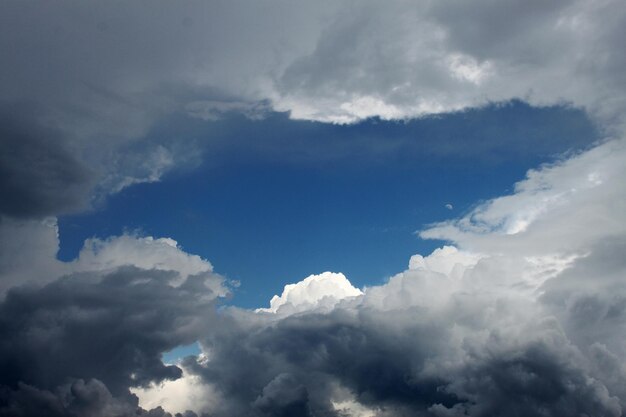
(176,354)
(276,200)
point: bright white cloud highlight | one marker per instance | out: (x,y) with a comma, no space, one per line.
(323,290)
(186,393)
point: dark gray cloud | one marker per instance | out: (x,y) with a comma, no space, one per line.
(107,329)
(39,175)
(399,362)
(74,399)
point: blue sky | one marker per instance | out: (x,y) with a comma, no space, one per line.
(317,197)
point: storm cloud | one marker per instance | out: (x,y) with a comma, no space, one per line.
(39,175)
(521,313)
(105,332)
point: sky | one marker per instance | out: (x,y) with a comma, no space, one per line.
(265,220)
(331,208)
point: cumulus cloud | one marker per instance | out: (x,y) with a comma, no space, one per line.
(514,321)
(529,322)
(525,315)
(111,327)
(314,291)
(189,392)
(455,334)
(405,59)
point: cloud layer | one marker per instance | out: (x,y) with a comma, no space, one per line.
(519,321)
(522,313)
(96,78)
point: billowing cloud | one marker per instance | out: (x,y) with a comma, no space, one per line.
(517,321)
(108,73)
(327,61)
(314,291)
(405,59)
(29,249)
(524,315)
(109,327)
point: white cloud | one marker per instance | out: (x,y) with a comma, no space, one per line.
(443,260)
(315,291)
(29,248)
(142,252)
(560,209)
(188,392)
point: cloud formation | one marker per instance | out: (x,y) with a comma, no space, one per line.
(108,73)
(104,323)
(524,315)
(518,321)
(327,61)
(314,291)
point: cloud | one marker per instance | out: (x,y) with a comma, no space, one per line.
(516,320)
(314,291)
(559,208)
(111,327)
(186,393)
(73,318)
(76,398)
(105,319)
(29,249)
(407,59)
(39,175)
(447,340)
(108,74)
(143,252)
(524,323)
(524,316)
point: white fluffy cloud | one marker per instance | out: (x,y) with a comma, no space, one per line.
(313,292)
(188,392)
